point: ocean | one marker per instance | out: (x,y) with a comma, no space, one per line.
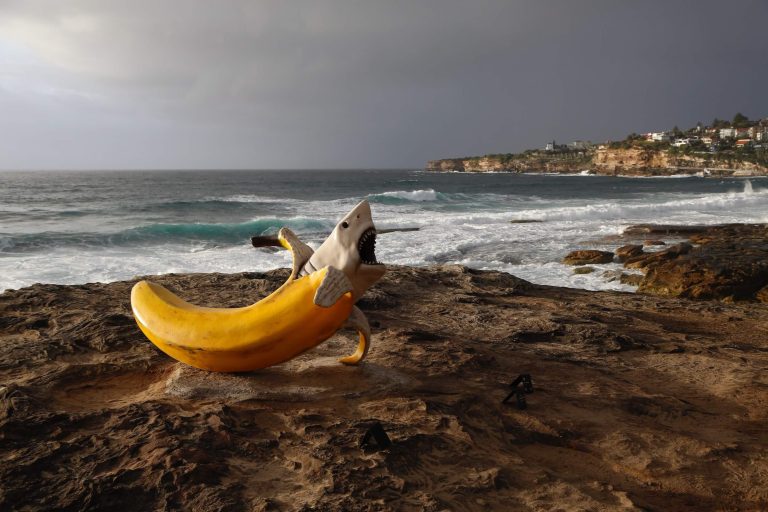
(78,227)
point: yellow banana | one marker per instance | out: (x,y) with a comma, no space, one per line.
(298,316)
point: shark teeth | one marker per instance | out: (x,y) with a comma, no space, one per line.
(366,247)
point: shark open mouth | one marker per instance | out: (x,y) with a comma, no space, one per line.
(366,247)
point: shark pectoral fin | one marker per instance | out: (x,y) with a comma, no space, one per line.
(358,322)
(335,284)
(300,251)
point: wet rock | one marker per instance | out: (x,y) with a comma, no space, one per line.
(628,251)
(631,279)
(612,275)
(586,257)
(647,259)
(730,264)
(664,229)
(583,270)
(654,242)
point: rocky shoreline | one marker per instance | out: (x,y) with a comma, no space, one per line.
(726,262)
(640,402)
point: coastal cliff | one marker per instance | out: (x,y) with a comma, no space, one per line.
(641,161)
(635,161)
(537,161)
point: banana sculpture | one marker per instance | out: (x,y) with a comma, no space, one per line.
(317,299)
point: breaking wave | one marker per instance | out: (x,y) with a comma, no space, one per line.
(162,234)
(405,196)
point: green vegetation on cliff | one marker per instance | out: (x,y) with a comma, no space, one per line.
(724,146)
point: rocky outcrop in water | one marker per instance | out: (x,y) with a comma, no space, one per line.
(587,257)
(724,262)
(730,263)
(627,251)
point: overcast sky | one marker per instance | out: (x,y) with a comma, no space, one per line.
(94,84)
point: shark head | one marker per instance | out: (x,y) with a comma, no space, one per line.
(351,248)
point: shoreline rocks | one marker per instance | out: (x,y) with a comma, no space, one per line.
(729,262)
(628,251)
(588,257)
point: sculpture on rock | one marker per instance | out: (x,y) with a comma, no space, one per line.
(317,300)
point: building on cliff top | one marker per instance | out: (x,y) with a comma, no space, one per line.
(579,145)
(658,136)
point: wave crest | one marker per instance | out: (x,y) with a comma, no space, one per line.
(406,196)
(161,234)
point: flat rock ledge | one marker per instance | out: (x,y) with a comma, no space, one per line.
(640,403)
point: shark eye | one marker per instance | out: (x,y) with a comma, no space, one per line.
(345,224)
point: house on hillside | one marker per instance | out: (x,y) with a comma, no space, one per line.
(658,136)
(743,143)
(727,133)
(579,145)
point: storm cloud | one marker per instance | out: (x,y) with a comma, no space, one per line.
(340,84)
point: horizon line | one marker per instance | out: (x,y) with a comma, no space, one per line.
(209,169)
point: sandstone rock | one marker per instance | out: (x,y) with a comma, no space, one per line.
(585,257)
(627,251)
(612,275)
(664,229)
(730,264)
(646,259)
(638,161)
(762,294)
(583,270)
(93,415)
(641,161)
(654,242)
(631,279)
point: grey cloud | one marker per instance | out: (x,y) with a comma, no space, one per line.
(360,84)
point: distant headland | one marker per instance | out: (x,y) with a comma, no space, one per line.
(723,148)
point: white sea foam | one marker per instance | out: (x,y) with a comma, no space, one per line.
(246,198)
(412,195)
(480,236)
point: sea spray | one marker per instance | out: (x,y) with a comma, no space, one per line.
(129,224)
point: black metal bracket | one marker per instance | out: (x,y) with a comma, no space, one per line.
(375,433)
(518,393)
